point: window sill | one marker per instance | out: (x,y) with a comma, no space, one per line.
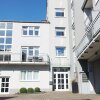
(29,81)
(60,36)
(61,56)
(60,17)
(30,36)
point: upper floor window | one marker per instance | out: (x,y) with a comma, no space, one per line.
(5,36)
(29,52)
(60,51)
(59,12)
(30,31)
(60,31)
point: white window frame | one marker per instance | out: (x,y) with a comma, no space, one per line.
(60,29)
(34,49)
(33,28)
(5,29)
(26,77)
(57,53)
(60,10)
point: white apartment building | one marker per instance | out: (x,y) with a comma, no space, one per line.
(36,54)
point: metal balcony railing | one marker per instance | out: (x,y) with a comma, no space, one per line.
(91,31)
(23,58)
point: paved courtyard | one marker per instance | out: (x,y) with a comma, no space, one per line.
(50,96)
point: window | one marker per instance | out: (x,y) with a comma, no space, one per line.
(5,36)
(28,52)
(60,31)
(60,51)
(30,75)
(59,12)
(5,57)
(30,31)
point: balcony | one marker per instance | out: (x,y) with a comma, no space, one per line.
(15,58)
(89,43)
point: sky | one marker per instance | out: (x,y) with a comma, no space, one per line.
(23,10)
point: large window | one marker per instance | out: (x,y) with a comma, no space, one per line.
(29,52)
(30,75)
(60,51)
(60,31)
(30,31)
(59,12)
(5,36)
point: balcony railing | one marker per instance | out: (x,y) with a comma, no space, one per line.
(91,31)
(24,59)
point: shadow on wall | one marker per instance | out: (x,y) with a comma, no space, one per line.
(93,73)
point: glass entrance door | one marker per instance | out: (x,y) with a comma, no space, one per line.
(4,85)
(61,81)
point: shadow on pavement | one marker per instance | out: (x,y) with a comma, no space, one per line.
(6,98)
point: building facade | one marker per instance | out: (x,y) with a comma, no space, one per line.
(87,44)
(36,54)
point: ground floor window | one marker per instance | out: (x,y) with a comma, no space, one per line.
(30,75)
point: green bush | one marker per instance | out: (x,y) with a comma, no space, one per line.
(30,90)
(37,89)
(23,90)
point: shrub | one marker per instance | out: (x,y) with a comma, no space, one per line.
(30,90)
(23,90)
(37,89)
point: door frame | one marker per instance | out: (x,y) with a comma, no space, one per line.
(64,81)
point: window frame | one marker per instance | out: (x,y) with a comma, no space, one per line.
(57,52)
(60,11)
(26,77)
(6,31)
(31,28)
(60,29)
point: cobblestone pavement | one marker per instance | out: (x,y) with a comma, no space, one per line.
(50,96)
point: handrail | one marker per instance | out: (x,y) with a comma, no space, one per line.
(90,27)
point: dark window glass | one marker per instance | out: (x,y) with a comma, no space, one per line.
(30,32)
(58,75)
(2,25)
(54,75)
(1,57)
(8,40)
(59,86)
(24,32)
(7,58)
(7,79)
(8,47)
(59,33)
(7,84)
(62,75)
(6,89)
(66,80)
(60,14)
(66,75)
(2,33)
(2,40)
(62,86)
(8,33)
(9,25)
(3,85)
(2,89)
(3,79)
(1,47)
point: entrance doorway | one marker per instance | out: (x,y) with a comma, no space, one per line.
(61,80)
